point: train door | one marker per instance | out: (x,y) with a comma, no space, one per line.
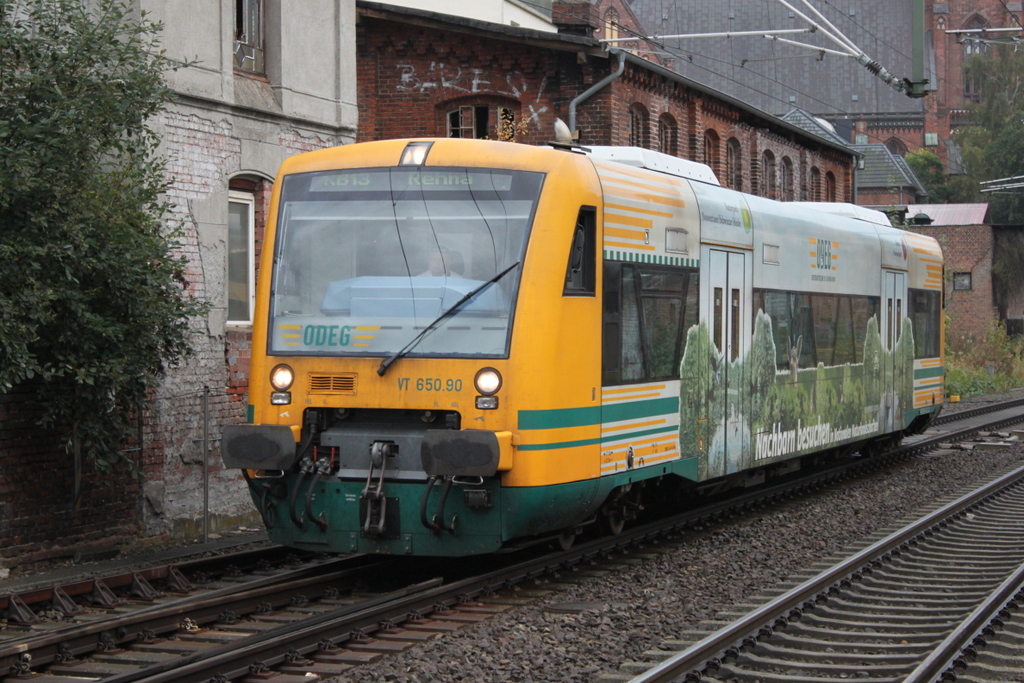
(728,316)
(894,297)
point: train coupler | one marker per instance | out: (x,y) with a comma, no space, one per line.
(374,507)
(436,524)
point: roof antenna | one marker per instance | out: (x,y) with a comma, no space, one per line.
(566,139)
(563,135)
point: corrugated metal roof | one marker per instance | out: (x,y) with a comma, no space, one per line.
(950,214)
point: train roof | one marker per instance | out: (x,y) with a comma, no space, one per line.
(849,210)
(653,161)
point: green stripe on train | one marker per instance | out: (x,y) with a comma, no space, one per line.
(925,373)
(591,415)
(590,442)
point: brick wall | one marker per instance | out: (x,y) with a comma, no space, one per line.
(410,77)
(39,519)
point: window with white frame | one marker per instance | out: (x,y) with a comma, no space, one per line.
(241,262)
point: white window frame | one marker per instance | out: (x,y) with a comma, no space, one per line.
(249,200)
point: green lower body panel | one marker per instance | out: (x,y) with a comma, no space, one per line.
(474,519)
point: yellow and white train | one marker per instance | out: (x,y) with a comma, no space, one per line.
(463,345)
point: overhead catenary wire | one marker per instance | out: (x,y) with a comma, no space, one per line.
(684,54)
(680,53)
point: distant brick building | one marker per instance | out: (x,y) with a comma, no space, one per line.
(429,74)
(974,299)
(885,180)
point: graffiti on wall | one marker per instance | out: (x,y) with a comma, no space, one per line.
(475,81)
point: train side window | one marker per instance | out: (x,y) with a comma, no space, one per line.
(899,319)
(611,342)
(803,325)
(669,302)
(648,310)
(776,306)
(580,271)
(844,352)
(825,311)
(925,313)
(888,313)
(864,309)
(632,357)
(717,332)
(734,340)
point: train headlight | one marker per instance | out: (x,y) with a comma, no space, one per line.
(415,153)
(281,378)
(487,381)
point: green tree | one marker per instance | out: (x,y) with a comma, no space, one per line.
(992,145)
(929,169)
(93,301)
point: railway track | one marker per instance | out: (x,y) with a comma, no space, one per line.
(918,605)
(286,626)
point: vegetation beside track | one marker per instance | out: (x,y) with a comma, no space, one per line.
(991,365)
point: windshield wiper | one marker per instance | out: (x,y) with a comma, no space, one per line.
(386,363)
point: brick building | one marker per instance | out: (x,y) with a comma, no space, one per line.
(968,244)
(428,74)
(885,180)
(983,282)
(258,93)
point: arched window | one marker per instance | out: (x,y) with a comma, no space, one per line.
(815,184)
(972,91)
(897,147)
(711,152)
(734,165)
(786,180)
(668,135)
(768,183)
(830,187)
(639,126)
(972,46)
(611,24)
(248,200)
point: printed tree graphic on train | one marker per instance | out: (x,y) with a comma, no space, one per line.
(789,409)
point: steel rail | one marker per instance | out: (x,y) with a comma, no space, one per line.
(42,591)
(328,629)
(305,637)
(83,637)
(946,655)
(976,412)
(709,651)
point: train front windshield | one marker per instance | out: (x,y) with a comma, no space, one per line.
(367,258)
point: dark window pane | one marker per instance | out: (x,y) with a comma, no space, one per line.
(926,320)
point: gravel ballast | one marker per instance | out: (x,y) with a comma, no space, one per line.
(639,606)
